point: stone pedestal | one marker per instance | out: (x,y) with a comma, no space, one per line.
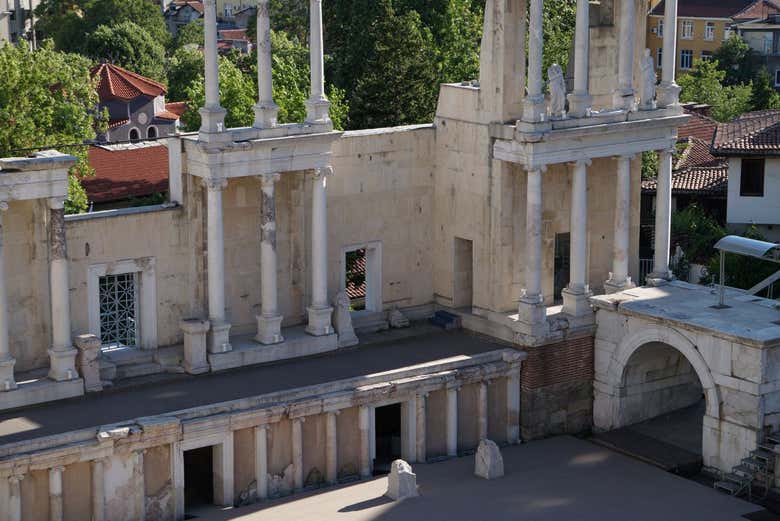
(195,333)
(576,303)
(269,330)
(342,321)
(7,382)
(488,462)
(401,482)
(319,321)
(612,286)
(63,364)
(219,338)
(87,361)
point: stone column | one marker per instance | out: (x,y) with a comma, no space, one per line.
(619,279)
(482,410)
(531,309)
(139,492)
(261,461)
(513,407)
(331,449)
(580,99)
(62,355)
(98,490)
(668,93)
(422,445)
(663,220)
(623,98)
(7,382)
(55,493)
(319,312)
(297,452)
(224,471)
(266,110)
(212,115)
(269,321)
(534,105)
(575,296)
(365,441)
(15,497)
(452,422)
(317,105)
(409,430)
(219,337)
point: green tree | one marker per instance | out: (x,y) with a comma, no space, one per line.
(705,85)
(184,67)
(764,94)
(734,59)
(559,24)
(741,271)
(130,46)
(190,34)
(47,98)
(460,41)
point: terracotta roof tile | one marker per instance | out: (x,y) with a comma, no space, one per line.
(195,4)
(757,11)
(357,291)
(751,133)
(698,126)
(177,107)
(232,34)
(118,83)
(706,8)
(122,174)
(114,123)
(699,180)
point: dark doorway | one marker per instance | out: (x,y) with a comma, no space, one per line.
(198,477)
(463,294)
(355,279)
(561,274)
(387,427)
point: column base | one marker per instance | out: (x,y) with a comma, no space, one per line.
(656,279)
(7,382)
(269,330)
(576,302)
(534,109)
(195,342)
(624,99)
(531,311)
(266,113)
(580,104)
(318,111)
(63,364)
(668,94)
(219,337)
(319,321)
(616,286)
(212,126)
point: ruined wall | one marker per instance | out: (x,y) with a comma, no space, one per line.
(468,427)
(436,424)
(35,495)
(158,484)
(314,450)
(77,492)
(348,443)
(497,413)
(244,465)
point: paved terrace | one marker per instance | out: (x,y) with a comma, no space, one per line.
(387,351)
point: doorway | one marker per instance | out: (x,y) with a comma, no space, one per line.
(562,262)
(463,274)
(361,276)
(198,477)
(387,429)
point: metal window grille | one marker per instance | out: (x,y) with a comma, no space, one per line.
(118,310)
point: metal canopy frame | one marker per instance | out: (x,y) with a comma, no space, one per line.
(763,250)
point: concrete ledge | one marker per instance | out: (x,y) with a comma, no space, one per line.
(39,391)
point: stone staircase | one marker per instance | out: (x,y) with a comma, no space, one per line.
(758,468)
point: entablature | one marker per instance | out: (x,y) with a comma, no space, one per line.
(44,175)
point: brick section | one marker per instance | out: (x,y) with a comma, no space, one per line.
(563,362)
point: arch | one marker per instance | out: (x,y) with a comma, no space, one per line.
(134,134)
(631,343)
(151,132)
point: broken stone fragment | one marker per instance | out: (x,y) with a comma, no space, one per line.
(397,319)
(402,482)
(489,464)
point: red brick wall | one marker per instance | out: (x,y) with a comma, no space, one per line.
(567,361)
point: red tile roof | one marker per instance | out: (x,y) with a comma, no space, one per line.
(177,107)
(118,83)
(754,133)
(114,123)
(357,291)
(232,34)
(706,8)
(697,172)
(698,126)
(126,173)
(195,4)
(757,11)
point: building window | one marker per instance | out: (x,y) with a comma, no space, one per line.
(661,28)
(686,59)
(134,134)
(709,31)
(777,77)
(118,310)
(726,32)
(687,30)
(751,179)
(361,276)
(706,56)
(659,59)
(151,132)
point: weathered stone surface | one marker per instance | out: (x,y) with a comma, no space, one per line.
(401,482)
(397,319)
(342,321)
(87,361)
(282,485)
(488,462)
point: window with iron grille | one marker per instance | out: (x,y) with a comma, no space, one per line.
(119,310)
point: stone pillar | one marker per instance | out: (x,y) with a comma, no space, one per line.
(195,345)
(452,422)
(365,441)
(269,321)
(409,430)
(139,492)
(482,410)
(62,355)
(663,219)
(531,309)
(319,312)
(580,99)
(15,497)
(317,106)
(534,105)
(177,479)
(219,338)
(266,110)
(331,449)
(297,452)
(98,490)
(624,98)
(55,493)
(668,93)
(261,461)
(619,279)
(422,445)
(212,115)
(7,382)
(576,294)
(224,468)
(513,407)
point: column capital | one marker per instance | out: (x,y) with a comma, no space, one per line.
(629,157)
(323,172)
(215,183)
(210,3)
(57,469)
(15,479)
(542,169)
(268,180)
(582,162)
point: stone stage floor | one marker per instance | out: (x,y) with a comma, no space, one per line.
(377,353)
(556,479)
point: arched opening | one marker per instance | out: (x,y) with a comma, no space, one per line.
(134,134)
(151,132)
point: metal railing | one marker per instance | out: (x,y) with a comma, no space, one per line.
(645,268)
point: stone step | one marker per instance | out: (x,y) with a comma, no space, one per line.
(134,370)
(744,469)
(773,438)
(728,486)
(762,454)
(756,464)
(738,478)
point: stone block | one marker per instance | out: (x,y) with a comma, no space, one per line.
(342,321)
(195,334)
(401,482)
(397,319)
(87,362)
(488,462)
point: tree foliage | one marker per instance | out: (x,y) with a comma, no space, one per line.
(706,85)
(765,95)
(127,45)
(733,59)
(191,34)
(559,24)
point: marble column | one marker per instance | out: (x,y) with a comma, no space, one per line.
(422,446)
(317,106)
(261,461)
(219,336)
(331,448)
(224,471)
(663,220)
(15,497)
(531,309)
(668,93)
(577,293)
(534,105)
(452,422)
(409,430)
(320,311)
(7,382)
(55,493)
(98,490)
(624,98)
(297,452)
(212,115)
(269,321)
(62,355)
(482,410)
(513,407)
(618,278)
(266,111)
(580,99)
(365,441)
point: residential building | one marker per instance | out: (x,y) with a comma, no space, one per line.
(136,105)
(179,13)
(228,9)
(763,37)
(16,20)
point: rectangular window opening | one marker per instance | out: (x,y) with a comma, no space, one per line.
(562,265)
(751,179)
(118,310)
(686,59)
